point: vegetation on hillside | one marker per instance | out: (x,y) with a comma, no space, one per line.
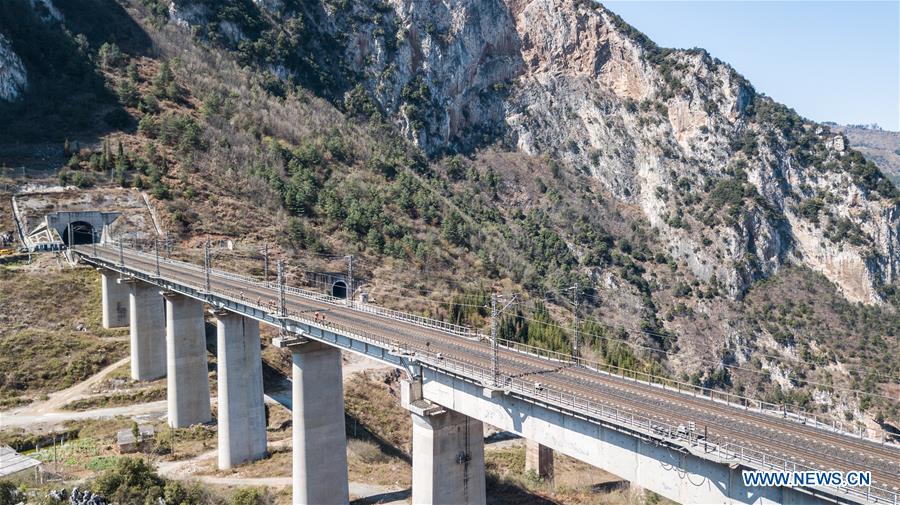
(67,94)
(227,149)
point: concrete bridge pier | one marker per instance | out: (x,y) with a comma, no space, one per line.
(539,459)
(447,452)
(242,414)
(147,311)
(448,459)
(187,376)
(114,297)
(319,435)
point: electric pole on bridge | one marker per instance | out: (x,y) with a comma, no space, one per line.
(282,308)
(266,262)
(156,248)
(495,347)
(206,262)
(121,253)
(495,340)
(350,279)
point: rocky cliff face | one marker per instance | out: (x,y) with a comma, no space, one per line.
(658,128)
(736,184)
(438,68)
(13,78)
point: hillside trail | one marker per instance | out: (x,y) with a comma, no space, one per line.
(57,400)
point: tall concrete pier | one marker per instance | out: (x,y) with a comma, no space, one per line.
(114,297)
(241,415)
(539,459)
(448,459)
(187,376)
(148,331)
(319,438)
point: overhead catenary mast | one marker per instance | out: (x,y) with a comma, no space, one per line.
(206,261)
(495,339)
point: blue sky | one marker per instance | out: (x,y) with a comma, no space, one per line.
(829,60)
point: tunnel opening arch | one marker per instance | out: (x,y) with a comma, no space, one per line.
(339,289)
(79,232)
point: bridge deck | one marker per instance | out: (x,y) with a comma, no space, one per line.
(804,445)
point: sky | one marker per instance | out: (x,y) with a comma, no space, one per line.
(829,60)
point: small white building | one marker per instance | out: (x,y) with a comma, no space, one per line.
(14,465)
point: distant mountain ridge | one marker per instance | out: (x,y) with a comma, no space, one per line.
(880,146)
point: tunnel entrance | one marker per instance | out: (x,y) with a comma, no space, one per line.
(339,289)
(81,233)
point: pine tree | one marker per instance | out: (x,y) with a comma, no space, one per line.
(121,169)
(132,72)
(106,162)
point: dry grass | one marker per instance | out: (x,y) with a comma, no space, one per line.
(186,443)
(371,403)
(277,464)
(118,399)
(574,482)
(40,349)
(369,463)
(366,452)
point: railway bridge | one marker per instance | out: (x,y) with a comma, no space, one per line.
(685,443)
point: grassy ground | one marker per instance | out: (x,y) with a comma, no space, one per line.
(49,339)
(144,395)
(574,482)
(82,449)
(378,433)
(372,404)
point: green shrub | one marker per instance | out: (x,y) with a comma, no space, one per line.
(111,56)
(129,480)
(810,208)
(247,496)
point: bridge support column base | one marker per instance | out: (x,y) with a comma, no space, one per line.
(186,364)
(114,296)
(448,459)
(242,413)
(319,435)
(148,332)
(539,459)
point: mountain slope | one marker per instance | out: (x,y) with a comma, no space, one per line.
(880,146)
(676,132)
(520,146)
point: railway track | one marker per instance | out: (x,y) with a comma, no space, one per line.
(795,441)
